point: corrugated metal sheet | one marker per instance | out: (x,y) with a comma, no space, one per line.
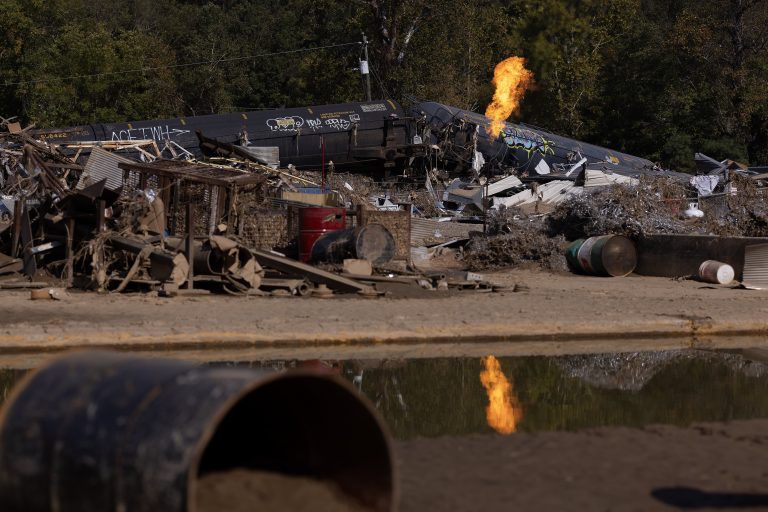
(102,164)
(557,191)
(755,276)
(504,184)
(267,155)
(550,193)
(475,195)
(598,178)
(422,229)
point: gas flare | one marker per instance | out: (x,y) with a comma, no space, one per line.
(512,80)
(503,411)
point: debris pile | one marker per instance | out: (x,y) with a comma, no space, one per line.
(87,217)
(146,215)
(654,205)
(745,212)
(516,239)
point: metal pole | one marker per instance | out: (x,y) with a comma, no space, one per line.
(485,202)
(190,244)
(322,164)
(364,69)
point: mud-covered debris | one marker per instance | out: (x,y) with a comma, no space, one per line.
(653,206)
(515,239)
(745,212)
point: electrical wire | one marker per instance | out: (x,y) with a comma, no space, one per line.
(174,66)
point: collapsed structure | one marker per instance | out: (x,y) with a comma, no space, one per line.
(231,202)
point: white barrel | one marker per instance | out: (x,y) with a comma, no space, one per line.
(716,272)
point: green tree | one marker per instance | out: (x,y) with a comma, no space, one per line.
(567,43)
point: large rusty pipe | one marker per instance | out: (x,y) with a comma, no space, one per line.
(99,431)
(372,242)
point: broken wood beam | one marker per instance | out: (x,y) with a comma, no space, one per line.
(18,208)
(70,265)
(313,274)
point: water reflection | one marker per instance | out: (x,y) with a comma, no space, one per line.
(8,378)
(503,410)
(437,397)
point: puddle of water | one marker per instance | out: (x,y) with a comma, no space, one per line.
(438,397)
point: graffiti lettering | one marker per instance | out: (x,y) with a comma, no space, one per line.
(293,123)
(151,132)
(315,124)
(285,124)
(338,124)
(526,140)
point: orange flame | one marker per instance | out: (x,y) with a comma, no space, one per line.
(512,80)
(503,411)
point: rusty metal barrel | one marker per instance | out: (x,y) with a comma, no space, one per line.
(315,222)
(608,255)
(372,242)
(103,431)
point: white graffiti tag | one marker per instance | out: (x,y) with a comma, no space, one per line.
(315,124)
(152,132)
(285,124)
(338,124)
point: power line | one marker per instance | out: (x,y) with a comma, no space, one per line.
(171,66)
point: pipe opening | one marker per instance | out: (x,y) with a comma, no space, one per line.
(303,438)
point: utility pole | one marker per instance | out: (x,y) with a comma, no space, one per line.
(364,69)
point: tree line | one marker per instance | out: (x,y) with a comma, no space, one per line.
(661,79)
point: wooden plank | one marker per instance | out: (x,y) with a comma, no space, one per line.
(313,274)
(30,264)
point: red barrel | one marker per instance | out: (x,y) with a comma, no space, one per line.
(314,222)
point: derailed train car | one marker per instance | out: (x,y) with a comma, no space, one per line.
(366,136)
(460,132)
(376,137)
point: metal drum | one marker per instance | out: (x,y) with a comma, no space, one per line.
(100,431)
(716,272)
(314,222)
(373,242)
(609,255)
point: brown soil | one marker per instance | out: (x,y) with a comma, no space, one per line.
(705,467)
(242,490)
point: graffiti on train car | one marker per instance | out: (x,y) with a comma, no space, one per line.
(158,133)
(335,121)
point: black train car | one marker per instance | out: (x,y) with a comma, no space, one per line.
(360,136)
(520,146)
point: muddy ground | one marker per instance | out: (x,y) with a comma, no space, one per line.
(705,467)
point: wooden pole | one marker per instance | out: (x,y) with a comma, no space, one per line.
(101,216)
(18,212)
